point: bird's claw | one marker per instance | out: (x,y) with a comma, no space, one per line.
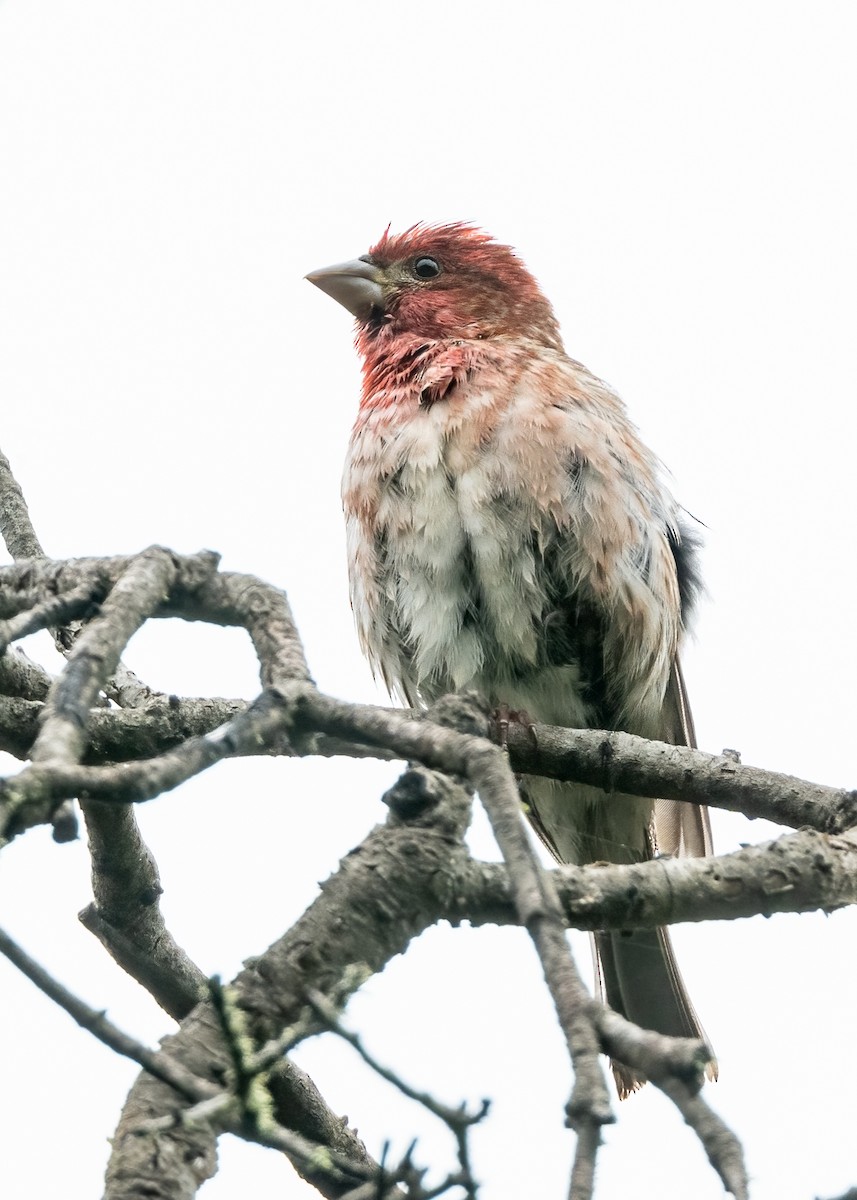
(504,716)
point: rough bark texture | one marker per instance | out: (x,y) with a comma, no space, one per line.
(225,1068)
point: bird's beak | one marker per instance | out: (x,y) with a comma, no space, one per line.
(357,285)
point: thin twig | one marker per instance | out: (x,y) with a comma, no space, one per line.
(720,1143)
(458,1120)
(155,1062)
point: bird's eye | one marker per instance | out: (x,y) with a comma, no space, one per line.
(426,268)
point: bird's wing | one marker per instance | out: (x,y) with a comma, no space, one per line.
(678,828)
(636,971)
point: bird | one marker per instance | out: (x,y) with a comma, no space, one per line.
(509,532)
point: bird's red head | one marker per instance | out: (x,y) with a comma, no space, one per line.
(441,282)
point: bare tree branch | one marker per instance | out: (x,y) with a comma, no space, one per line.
(351,930)
(111,757)
(125,914)
(458,1120)
(620,762)
(799,872)
(125,877)
(159,1065)
(15,524)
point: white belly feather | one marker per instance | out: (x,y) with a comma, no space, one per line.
(450,510)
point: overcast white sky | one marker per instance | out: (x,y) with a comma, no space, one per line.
(682,179)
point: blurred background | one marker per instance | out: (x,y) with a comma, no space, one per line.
(682,180)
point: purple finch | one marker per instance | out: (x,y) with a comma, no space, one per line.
(509,532)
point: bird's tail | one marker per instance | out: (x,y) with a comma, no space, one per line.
(639,978)
(636,968)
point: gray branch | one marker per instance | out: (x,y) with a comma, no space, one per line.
(109,758)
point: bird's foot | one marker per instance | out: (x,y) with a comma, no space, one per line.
(504,716)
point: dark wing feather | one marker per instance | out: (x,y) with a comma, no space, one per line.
(679,828)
